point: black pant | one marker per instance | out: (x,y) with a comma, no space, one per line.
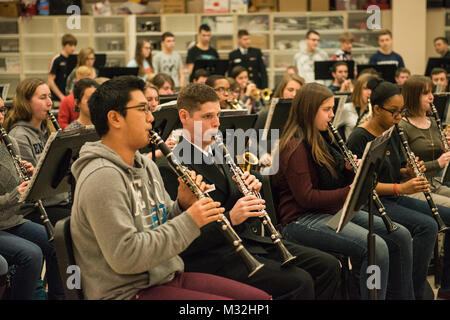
(313,275)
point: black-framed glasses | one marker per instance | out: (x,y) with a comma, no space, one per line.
(394,113)
(222,90)
(3,110)
(145,106)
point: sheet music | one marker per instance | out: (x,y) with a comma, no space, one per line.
(38,167)
(340,107)
(273,103)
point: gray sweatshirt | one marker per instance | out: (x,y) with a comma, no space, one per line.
(31,143)
(122,242)
(11,212)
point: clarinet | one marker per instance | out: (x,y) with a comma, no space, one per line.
(183,172)
(54,121)
(237,172)
(390,226)
(411,158)
(442,135)
(23,174)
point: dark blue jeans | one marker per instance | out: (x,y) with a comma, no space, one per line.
(26,245)
(393,252)
(417,217)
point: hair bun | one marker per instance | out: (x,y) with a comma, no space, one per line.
(372,83)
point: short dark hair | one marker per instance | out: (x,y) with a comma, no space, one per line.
(69,39)
(167,35)
(211,81)
(114,94)
(201,73)
(81,86)
(384,33)
(313,32)
(242,32)
(435,71)
(337,64)
(441,38)
(204,27)
(402,70)
(192,96)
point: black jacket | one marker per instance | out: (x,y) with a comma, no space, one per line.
(253,62)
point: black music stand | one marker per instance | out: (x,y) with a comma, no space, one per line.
(243,122)
(432,63)
(361,193)
(442,102)
(216,66)
(167,98)
(323,69)
(166,120)
(52,174)
(112,72)
(387,71)
(100,60)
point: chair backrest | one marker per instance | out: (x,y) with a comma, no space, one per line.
(65,257)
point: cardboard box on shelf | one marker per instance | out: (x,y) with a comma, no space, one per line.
(10,9)
(319,5)
(224,24)
(289,5)
(173,6)
(216,6)
(259,41)
(194,6)
(265,3)
(224,44)
(238,6)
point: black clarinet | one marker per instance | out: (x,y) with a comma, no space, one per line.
(250,262)
(23,174)
(411,158)
(54,121)
(275,236)
(390,226)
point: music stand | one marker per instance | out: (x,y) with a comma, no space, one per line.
(361,193)
(232,112)
(441,102)
(387,71)
(112,72)
(72,60)
(234,122)
(432,63)
(339,102)
(216,66)
(167,98)
(51,174)
(166,120)
(323,69)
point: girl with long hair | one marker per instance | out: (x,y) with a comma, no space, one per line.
(143,59)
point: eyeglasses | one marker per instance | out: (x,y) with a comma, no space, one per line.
(394,113)
(145,106)
(222,90)
(2,110)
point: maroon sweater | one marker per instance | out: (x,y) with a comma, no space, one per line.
(298,185)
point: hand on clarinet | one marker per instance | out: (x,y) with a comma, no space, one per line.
(185,196)
(414,185)
(22,187)
(246,207)
(420,165)
(348,166)
(443,159)
(205,211)
(29,167)
(251,182)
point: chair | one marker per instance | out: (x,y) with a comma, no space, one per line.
(65,257)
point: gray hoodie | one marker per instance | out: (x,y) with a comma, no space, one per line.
(119,242)
(31,143)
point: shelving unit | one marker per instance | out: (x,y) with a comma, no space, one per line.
(278,34)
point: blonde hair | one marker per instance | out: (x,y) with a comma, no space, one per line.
(83,55)
(84,72)
(284,82)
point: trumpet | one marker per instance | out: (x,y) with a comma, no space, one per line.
(390,226)
(235,104)
(411,158)
(286,256)
(23,174)
(250,262)
(247,161)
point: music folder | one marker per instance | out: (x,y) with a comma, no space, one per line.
(52,173)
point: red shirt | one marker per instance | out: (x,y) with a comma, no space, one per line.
(66,113)
(299,187)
